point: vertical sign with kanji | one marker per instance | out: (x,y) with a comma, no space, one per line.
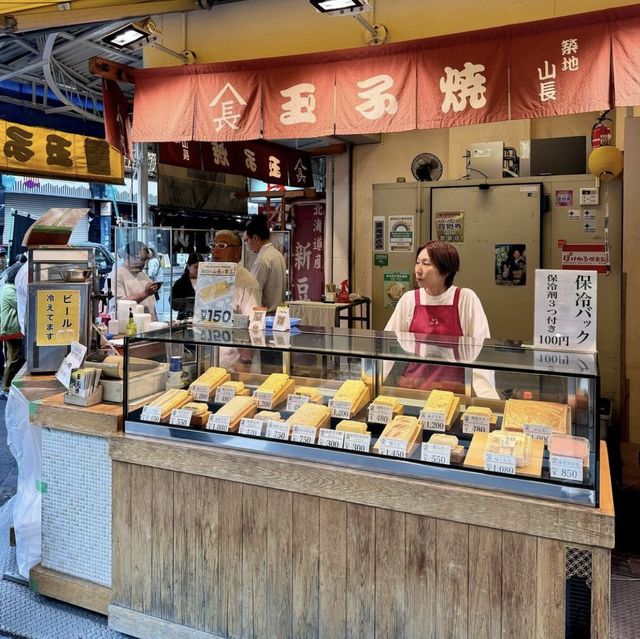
(307,255)
(58,318)
(566,310)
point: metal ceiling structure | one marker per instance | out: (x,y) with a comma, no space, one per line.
(45,48)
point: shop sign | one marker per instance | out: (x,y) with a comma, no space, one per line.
(401,232)
(586,256)
(307,255)
(565,310)
(432,83)
(38,151)
(58,318)
(269,162)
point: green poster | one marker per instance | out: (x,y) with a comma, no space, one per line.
(395,286)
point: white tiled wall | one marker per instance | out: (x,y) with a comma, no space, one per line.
(76,505)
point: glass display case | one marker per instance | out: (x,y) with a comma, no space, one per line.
(494,415)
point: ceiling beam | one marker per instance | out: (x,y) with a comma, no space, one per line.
(56,18)
(111,70)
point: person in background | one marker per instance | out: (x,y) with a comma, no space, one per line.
(269,268)
(183,292)
(437,307)
(153,268)
(10,331)
(227,247)
(132,283)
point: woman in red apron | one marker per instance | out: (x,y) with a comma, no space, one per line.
(437,308)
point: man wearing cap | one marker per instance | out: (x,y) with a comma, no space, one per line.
(227,247)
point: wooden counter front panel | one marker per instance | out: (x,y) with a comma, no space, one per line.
(236,560)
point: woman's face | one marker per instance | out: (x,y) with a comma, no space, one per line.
(427,275)
(516,254)
(193,270)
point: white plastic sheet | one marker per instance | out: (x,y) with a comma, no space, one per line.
(25,443)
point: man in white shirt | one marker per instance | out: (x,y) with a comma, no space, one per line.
(269,268)
(132,283)
(227,247)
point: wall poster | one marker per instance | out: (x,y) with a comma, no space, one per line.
(401,232)
(450,226)
(511,264)
(395,286)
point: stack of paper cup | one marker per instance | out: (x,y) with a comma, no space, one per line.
(142,320)
(123,314)
(139,308)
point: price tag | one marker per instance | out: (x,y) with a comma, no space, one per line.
(278,430)
(282,320)
(475,424)
(303,434)
(393,447)
(436,454)
(340,408)
(214,293)
(432,420)
(257,338)
(265,400)
(200,392)
(538,431)
(360,442)
(295,401)
(151,414)
(224,394)
(497,463)
(219,422)
(380,413)
(180,417)
(331,438)
(250,426)
(258,319)
(567,468)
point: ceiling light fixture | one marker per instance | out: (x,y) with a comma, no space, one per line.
(138,34)
(378,33)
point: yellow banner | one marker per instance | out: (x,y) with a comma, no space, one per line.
(33,150)
(58,318)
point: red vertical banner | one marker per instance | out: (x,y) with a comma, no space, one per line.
(117,123)
(298,102)
(377,95)
(307,252)
(560,72)
(464,84)
(227,107)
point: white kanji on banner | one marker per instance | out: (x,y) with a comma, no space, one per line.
(377,102)
(301,105)
(463,88)
(228,117)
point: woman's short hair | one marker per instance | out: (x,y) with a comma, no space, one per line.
(444,257)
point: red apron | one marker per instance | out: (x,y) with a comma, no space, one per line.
(435,320)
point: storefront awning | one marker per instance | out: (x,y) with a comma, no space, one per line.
(549,68)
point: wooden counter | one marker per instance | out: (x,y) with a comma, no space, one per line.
(211,543)
(76,502)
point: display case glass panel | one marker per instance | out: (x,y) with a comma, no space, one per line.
(494,415)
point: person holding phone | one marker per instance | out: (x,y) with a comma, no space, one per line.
(132,283)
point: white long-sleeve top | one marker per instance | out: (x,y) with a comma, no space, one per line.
(473,321)
(472,317)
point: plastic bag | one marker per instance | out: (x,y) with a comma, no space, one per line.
(25,443)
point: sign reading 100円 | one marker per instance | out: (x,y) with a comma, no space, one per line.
(214,293)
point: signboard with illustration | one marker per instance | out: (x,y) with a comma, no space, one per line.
(395,286)
(401,232)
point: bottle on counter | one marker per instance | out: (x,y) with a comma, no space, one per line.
(131,324)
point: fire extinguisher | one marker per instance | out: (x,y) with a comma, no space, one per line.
(601,132)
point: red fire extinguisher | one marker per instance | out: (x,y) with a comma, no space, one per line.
(601,132)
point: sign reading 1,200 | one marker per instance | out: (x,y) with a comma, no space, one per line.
(215,315)
(554,340)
